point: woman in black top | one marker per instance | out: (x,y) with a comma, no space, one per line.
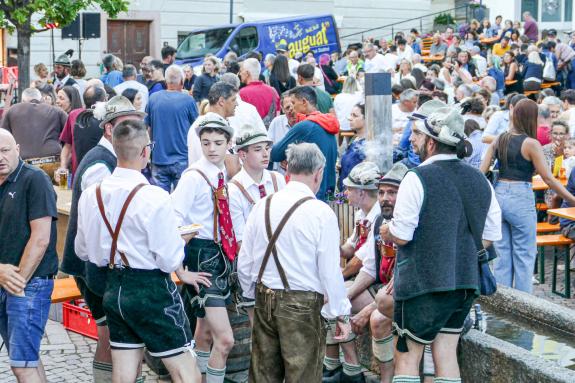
(512,74)
(208,78)
(280,77)
(519,154)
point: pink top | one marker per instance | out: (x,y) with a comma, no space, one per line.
(261,96)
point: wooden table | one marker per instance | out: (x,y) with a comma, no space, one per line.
(538,183)
(566,212)
(432,58)
(489,40)
(63,204)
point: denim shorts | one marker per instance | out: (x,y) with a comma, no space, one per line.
(23,319)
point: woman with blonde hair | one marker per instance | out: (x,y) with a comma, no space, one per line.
(345,101)
(533,72)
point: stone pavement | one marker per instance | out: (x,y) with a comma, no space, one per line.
(67,356)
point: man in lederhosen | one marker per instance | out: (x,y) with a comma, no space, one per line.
(375,277)
(130,227)
(96,165)
(441,204)
(291,291)
(361,192)
(201,197)
(62,77)
(251,184)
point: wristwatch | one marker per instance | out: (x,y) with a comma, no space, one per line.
(343,319)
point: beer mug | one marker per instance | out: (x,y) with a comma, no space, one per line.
(63,182)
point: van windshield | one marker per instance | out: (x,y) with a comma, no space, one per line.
(199,44)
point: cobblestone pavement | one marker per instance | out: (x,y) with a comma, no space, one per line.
(67,356)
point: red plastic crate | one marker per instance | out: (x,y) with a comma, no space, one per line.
(79,319)
(7,72)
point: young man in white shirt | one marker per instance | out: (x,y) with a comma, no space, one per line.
(141,249)
(361,191)
(288,338)
(202,197)
(251,184)
(96,165)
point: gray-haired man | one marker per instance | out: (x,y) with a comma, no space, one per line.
(303,235)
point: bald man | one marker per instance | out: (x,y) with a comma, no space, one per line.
(28,260)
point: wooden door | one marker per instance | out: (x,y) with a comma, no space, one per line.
(129,40)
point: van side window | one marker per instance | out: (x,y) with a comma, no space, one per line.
(245,41)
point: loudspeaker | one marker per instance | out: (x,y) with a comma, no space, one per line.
(72,31)
(90,25)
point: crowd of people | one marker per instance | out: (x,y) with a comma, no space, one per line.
(212,176)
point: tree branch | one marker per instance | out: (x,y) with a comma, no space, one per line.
(34,30)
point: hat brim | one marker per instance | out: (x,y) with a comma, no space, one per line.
(347,182)
(113,116)
(390,182)
(255,140)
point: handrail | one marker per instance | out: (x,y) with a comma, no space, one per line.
(408,20)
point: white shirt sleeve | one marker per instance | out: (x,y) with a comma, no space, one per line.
(80,245)
(493,125)
(407,207)
(368,256)
(246,257)
(492,229)
(183,196)
(164,240)
(330,274)
(94,175)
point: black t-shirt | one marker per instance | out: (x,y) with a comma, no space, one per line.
(27,195)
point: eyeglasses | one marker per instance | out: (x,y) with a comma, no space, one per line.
(151,145)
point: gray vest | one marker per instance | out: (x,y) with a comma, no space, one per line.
(94,276)
(442,255)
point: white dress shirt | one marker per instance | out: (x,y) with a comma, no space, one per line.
(410,200)
(138,86)
(149,235)
(97,172)
(278,129)
(245,114)
(377,64)
(375,211)
(240,207)
(193,200)
(308,249)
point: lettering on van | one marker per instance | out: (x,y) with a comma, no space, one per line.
(301,40)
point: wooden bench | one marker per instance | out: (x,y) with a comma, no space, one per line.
(546,85)
(542,206)
(528,93)
(555,241)
(546,228)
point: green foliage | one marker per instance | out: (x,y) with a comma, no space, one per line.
(17,14)
(444,19)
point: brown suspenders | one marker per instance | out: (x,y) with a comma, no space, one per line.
(214,200)
(271,248)
(115,233)
(245,192)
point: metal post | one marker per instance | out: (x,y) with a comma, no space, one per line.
(231,11)
(378,147)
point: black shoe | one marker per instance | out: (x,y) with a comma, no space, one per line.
(333,376)
(359,378)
